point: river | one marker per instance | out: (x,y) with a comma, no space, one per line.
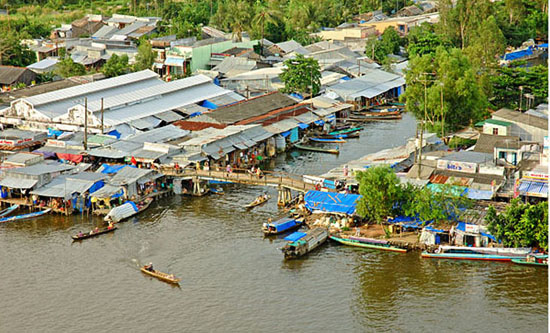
(234,280)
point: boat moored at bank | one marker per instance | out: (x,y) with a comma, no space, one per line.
(368,243)
(301,243)
(282,225)
(477,253)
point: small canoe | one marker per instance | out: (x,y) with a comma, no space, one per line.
(258,201)
(525,262)
(374,118)
(317,149)
(93,234)
(340,136)
(218,191)
(376,113)
(24,216)
(170,278)
(8,210)
(368,245)
(327,140)
(346,131)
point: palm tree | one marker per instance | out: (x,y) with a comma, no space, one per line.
(239,18)
(265,15)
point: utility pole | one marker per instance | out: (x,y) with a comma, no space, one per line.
(422,130)
(101,115)
(86,123)
(359,63)
(520,93)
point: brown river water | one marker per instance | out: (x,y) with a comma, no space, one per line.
(234,280)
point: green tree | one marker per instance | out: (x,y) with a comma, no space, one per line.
(379,188)
(391,40)
(507,81)
(145,57)
(116,66)
(265,15)
(520,225)
(12,53)
(451,76)
(423,40)
(301,75)
(67,68)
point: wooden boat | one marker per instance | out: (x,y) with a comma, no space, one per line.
(339,136)
(317,149)
(170,278)
(363,118)
(258,201)
(127,210)
(281,226)
(367,243)
(93,234)
(533,260)
(8,210)
(375,113)
(24,216)
(301,243)
(477,253)
(218,191)
(327,140)
(346,131)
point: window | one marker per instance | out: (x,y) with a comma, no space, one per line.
(495,131)
(502,154)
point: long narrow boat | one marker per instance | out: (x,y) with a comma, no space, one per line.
(217,190)
(258,201)
(367,243)
(127,210)
(327,140)
(280,226)
(371,113)
(339,136)
(317,149)
(477,253)
(93,234)
(533,260)
(170,278)
(301,243)
(24,216)
(8,210)
(346,131)
(374,117)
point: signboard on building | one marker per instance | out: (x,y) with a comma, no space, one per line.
(457,166)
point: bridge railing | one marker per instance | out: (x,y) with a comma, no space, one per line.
(244,175)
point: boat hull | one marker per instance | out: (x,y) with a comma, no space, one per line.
(273,233)
(467,256)
(318,150)
(529,263)
(101,232)
(161,276)
(24,216)
(255,203)
(305,245)
(356,243)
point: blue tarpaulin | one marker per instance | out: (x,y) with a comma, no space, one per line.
(216,81)
(319,122)
(294,134)
(112,168)
(285,134)
(331,202)
(97,185)
(518,54)
(209,105)
(428,228)
(52,132)
(488,236)
(283,224)
(303,126)
(479,194)
(543,45)
(295,236)
(345,78)
(115,133)
(331,117)
(195,114)
(296,95)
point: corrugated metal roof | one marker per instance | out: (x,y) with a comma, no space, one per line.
(371,84)
(147,154)
(64,187)
(105,31)
(161,134)
(107,153)
(189,109)
(306,118)
(22,158)
(40,169)
(148,122)
(169,116)
(15,182)
(129,175)
(106,191)
(147,93)
(282,126)
(43,64)
(88,88)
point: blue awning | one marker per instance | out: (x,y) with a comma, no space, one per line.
(171,61)
(303,126)
(488,236)
(479,194)
(285,134)
(319,122)
(295,236)
(331,202)
(533,188)
(428,228)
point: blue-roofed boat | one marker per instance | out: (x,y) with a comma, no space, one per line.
(368,243)
(24,216)
(301,243)
(477,253)
(282,225)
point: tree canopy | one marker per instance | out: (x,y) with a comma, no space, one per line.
(145,57)
(379,48)
(67,68)
(115,66)
(520,225)
(301,75)
(447,73)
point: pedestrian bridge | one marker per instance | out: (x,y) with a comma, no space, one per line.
(281,180)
